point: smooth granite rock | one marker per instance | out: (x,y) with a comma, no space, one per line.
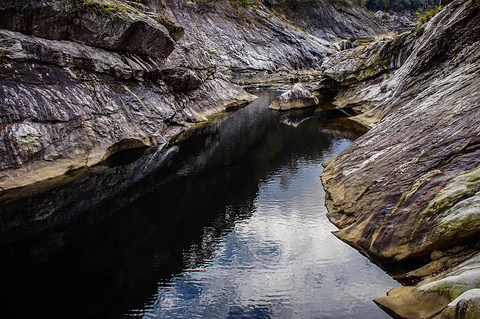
(409,188)
(299,96)
(80,80)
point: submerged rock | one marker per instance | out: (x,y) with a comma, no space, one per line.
(299,96)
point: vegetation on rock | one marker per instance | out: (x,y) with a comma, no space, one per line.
(398,5)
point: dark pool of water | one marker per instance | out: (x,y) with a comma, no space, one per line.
(231,226)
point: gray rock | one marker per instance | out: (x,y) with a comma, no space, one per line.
(103,25)
(299,96)
(409,186)
(345,45)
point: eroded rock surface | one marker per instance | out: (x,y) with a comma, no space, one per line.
(80,80)
(299,96)
(409,186)
(451,294)
(417,168)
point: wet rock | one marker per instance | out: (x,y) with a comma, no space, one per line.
(299,96)
(454,289)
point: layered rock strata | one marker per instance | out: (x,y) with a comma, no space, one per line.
(299,96)
(408,189)
(81,80)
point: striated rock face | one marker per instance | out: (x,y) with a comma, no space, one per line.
(66,105)
(81,80)
(299,96)
(332,19)
(410,186)
(452,294)
(398,190)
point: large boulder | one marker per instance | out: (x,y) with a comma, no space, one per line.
(110,26)
(299,96)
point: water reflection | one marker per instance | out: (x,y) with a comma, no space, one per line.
(229,224)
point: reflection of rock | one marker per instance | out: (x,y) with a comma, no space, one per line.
(228,140)
(295,117)
(299,96)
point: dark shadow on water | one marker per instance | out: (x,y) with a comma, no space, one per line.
(98,243)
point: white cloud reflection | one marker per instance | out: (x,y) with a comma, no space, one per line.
(283,262)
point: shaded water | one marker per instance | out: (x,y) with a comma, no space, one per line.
(232,226)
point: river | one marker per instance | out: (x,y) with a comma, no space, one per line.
(231,225)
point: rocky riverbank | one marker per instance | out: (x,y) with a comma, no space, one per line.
(408,189)
(81,80)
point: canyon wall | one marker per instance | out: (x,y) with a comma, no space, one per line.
(81,80)
(409,188)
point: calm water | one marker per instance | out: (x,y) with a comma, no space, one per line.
(232,226)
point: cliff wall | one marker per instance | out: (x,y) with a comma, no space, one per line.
(81,80)
(408,189)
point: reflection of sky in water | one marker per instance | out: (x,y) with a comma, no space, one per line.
(283,262)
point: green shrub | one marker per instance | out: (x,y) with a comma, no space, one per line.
(244,3)
(427,16)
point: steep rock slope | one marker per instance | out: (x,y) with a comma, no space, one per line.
(408,189)
(81,80)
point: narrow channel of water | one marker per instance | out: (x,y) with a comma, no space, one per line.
(233,227)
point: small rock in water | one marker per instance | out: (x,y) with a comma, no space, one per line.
(298,96)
